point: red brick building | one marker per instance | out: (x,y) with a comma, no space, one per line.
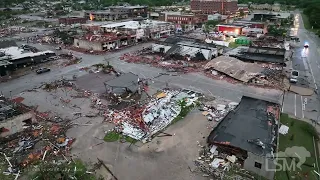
(183,19)
(225,7)
(72,20)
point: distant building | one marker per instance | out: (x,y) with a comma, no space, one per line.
(132,11)
(215,17)
(271,7)
(72,20)
(114,13)
(230,29)
(178,18)
(120,34)
(105,15)
(225,7)
(272,16)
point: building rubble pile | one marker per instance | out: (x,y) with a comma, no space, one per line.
(219,165)
(9,31)
(70,59)
(159,62)
(57,84)
(37,142)
(142,121)
(86,51)
(43,39)
(217,112)
(271,77)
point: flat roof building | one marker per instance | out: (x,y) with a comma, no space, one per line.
(250,133)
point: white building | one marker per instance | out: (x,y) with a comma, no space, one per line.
(145,28)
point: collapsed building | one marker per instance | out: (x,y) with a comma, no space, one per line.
(191,49)
(126,83)
(13,117)
(120,34)
(249,132)
(235,68)
(261,54)
(142,122)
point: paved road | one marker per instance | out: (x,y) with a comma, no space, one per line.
(194,81)
(307,62)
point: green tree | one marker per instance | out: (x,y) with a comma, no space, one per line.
(210,25)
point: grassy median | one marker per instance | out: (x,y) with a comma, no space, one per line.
(300,134)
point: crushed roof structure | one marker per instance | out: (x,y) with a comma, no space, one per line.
(260,54)
(251,126)
(128,81)
(135,24)
(235,68)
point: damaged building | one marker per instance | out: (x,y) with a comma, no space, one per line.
(235,68)
(126,83)
(13,117)
(261,54)
(179,48)
(250,133)
(14,57)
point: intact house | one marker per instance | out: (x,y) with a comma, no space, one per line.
(250,133)
(14,117)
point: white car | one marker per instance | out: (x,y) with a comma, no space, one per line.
(294,76)
(306,45)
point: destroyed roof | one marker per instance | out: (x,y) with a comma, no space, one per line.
(235,68)
(262,54)
(16,53)
(128,80)
(250,121)
(187,40)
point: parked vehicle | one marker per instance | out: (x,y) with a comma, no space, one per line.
(294,76)
(42,70)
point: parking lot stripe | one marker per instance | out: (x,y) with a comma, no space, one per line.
(302,107)
(295,105)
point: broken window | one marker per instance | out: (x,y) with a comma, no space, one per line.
(257,165)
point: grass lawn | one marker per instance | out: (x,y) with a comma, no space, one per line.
(306,22)
(300,134)
(114,136)
(111,136)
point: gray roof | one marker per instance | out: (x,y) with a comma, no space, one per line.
(250,121)
(235,68)
(261,54)
(128,80)
(7,43)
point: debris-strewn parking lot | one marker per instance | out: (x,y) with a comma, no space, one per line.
(172,96)
(84,118)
